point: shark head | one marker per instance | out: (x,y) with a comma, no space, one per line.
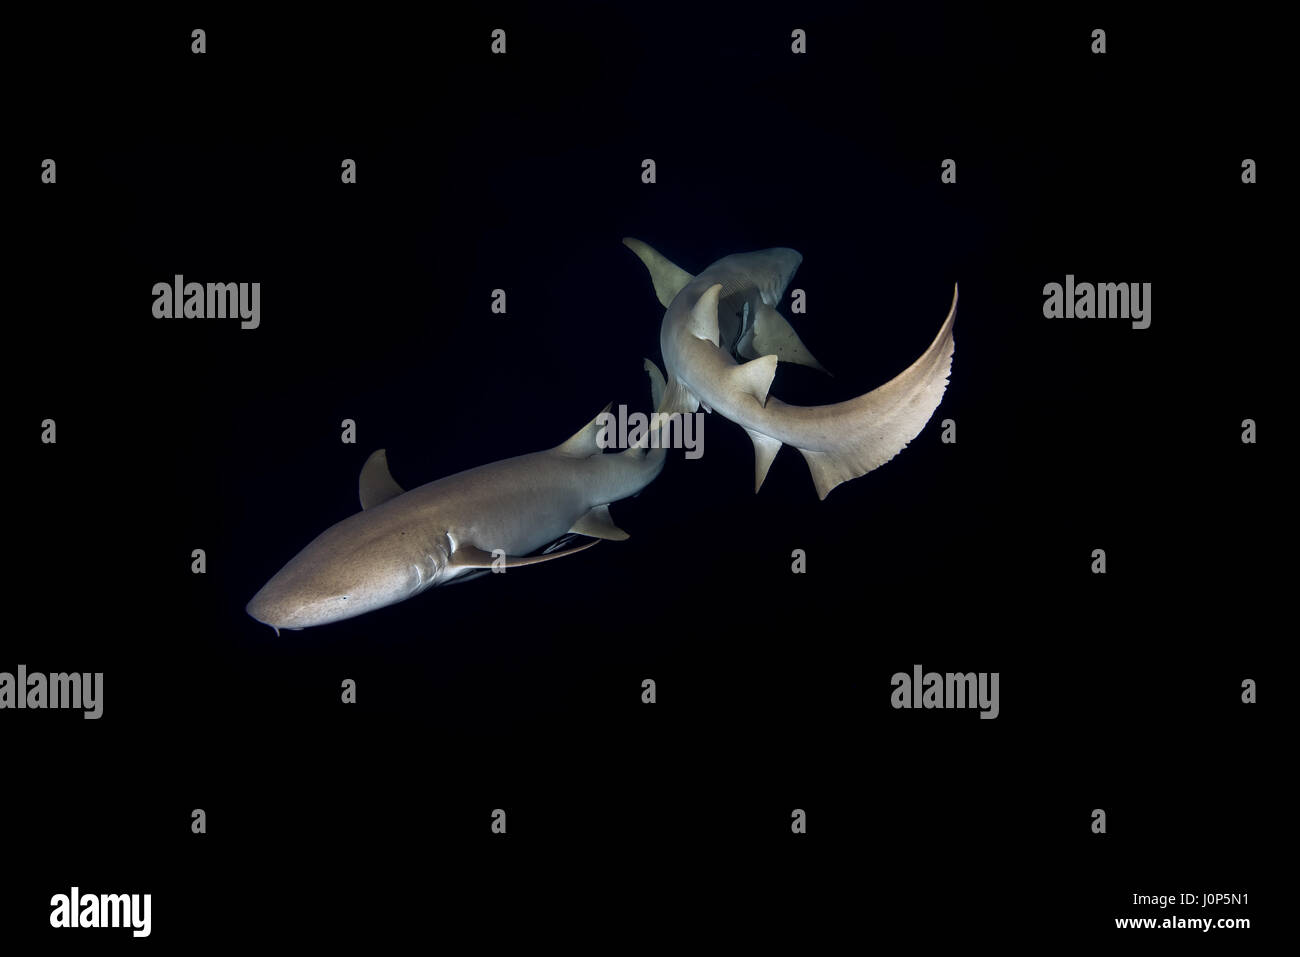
(346,571)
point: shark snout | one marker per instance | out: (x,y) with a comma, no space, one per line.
(266,608)
(282,605)
(287,604)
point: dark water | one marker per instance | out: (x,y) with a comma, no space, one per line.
(476,172)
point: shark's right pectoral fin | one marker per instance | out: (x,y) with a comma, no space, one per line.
(772,335)
(467,556)
(376,484)
(873,428)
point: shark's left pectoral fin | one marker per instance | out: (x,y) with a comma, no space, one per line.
(598,523)
(467,556)
(377,485)
(668,278)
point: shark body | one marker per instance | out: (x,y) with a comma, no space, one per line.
(730,309)
(403,543)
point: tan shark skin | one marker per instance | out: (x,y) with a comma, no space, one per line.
(399,546)
(839,441)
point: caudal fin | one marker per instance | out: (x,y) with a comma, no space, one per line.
(866,432)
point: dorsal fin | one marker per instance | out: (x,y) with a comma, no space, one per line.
(377,485)
(704,315)
(582,443)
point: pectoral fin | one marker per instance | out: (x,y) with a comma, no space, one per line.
(598,523)
(774,336)
(467,556)
(669,279)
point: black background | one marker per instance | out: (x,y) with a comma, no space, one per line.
(523,172)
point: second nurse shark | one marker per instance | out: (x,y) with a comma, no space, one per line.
(402,543)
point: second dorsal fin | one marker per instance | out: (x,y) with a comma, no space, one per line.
(583,443)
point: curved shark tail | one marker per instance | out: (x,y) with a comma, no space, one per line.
(864,433)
